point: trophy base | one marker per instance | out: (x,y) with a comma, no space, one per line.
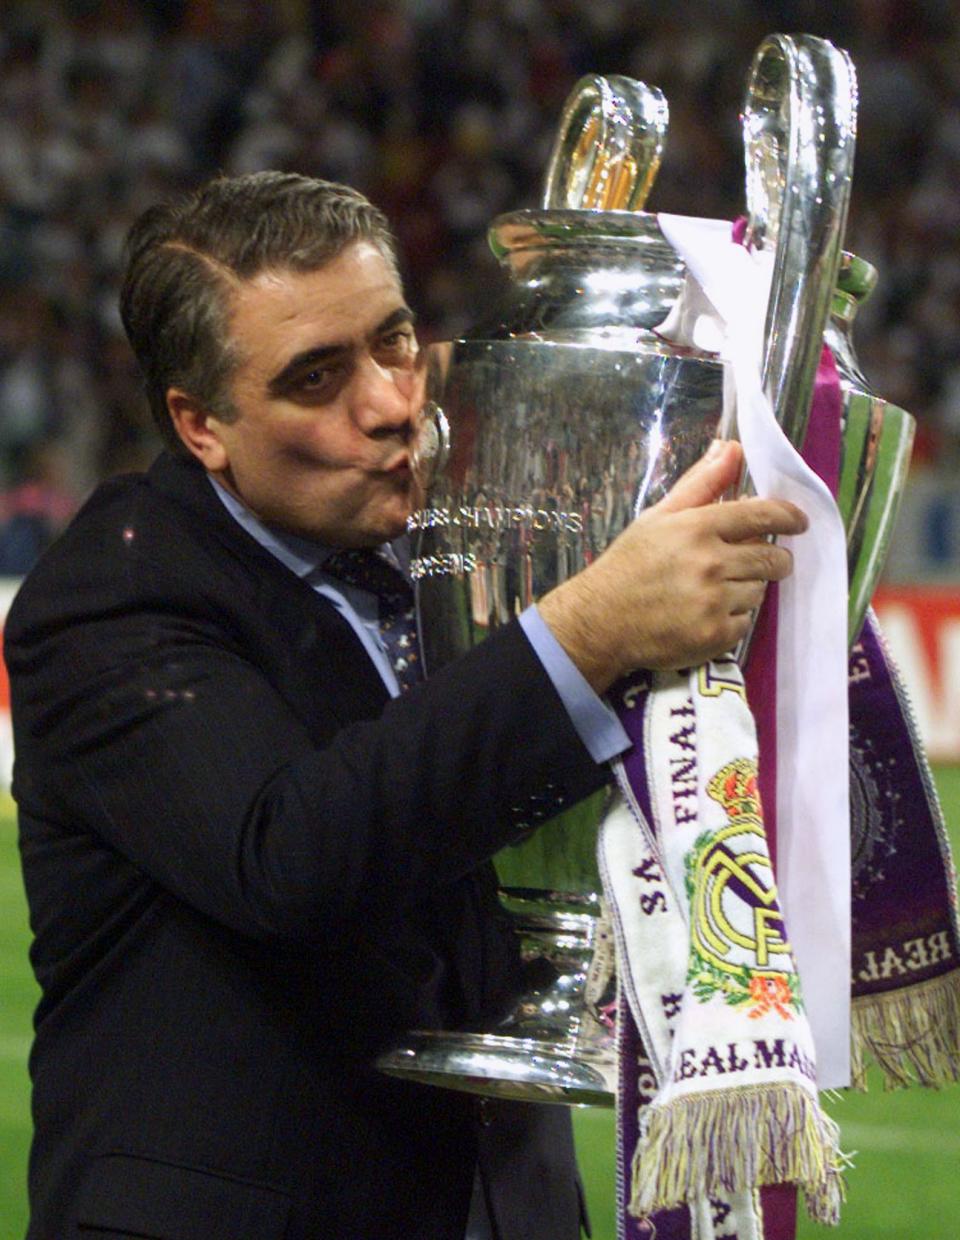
(552,1046)
(522,1069)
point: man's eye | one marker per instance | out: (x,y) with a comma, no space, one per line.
(318,384)
(319,377)
(401,341)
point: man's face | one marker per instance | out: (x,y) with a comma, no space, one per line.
(327,393)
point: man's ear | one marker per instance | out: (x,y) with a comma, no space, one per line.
(199,430)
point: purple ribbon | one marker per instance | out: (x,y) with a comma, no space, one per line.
(821,451)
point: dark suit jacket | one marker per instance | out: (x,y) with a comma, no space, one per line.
(248,872)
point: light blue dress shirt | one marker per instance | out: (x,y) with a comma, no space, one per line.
(594,720)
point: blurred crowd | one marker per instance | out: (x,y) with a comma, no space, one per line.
(444,112)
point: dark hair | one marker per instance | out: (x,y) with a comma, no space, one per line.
(183,260)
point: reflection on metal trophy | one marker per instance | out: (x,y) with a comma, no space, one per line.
(549,428)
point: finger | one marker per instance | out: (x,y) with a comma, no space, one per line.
(762,561)
(730,633)
(745,597)
(757,518)
(706,481)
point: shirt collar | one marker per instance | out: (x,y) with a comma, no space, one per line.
(301,555)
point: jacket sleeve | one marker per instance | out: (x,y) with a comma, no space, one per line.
(149,728)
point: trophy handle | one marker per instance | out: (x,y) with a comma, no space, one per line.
(877,443)
(431,444)
(608,145)
(799,130)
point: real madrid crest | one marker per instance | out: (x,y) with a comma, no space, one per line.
(738,948)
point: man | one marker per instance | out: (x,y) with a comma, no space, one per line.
(251,862)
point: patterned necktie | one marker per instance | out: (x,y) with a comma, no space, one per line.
(369,570)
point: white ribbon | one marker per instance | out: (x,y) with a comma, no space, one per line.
(813,810)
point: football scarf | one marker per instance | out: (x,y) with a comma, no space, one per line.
(718,1114)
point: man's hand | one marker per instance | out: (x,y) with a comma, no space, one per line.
(678,585)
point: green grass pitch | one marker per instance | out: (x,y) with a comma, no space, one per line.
(905,1185)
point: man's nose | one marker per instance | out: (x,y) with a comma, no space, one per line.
(383,398)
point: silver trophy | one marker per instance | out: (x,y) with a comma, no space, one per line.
(550,427)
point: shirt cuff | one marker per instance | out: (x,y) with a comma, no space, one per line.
(593,719)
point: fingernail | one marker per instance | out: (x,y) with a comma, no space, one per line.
(715,450)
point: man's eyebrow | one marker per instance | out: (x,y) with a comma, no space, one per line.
(323,352)
(403,314)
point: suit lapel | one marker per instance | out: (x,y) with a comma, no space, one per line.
(317,662)
(325,658)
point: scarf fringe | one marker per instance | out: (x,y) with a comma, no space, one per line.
(713,1145)
(912,1034)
